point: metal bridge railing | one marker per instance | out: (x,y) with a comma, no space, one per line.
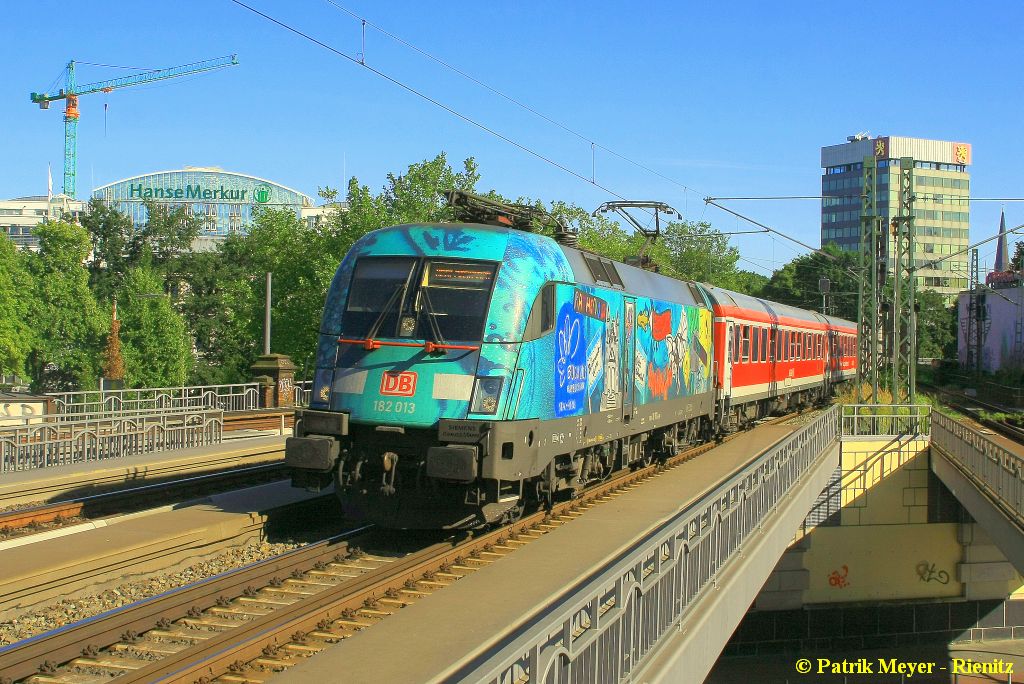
(607,627)
(239,397)
(886,420)
(303,392)
(994,470)
(64,440)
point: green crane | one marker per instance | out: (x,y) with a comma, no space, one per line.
(71,92)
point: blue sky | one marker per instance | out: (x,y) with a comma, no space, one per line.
(725,98)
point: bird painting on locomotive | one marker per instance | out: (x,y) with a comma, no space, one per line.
(463,370)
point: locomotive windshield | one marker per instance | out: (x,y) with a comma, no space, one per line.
(436,300)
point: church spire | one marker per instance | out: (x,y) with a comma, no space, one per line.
(1002,251)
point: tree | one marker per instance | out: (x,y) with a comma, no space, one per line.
(119,246)
(1017,262)
(303,260)
(750,283)
(221,331)
(66,355)
(157,348)
(936,326)
(109,233)
(796,283)
(113,361)
(16,295)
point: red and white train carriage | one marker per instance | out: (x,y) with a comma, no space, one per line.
(770,356)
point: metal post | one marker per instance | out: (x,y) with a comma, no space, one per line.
(904,351)
(266,320)
(870,285)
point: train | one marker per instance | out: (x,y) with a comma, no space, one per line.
(468,371)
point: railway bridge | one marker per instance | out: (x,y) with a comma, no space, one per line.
(814,521)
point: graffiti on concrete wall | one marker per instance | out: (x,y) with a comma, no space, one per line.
(926,572)
(838,578)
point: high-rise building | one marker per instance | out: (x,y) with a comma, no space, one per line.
(941,205)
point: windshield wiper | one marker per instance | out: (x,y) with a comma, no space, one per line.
(385,311)
(435,329)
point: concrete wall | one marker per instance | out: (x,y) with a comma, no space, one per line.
(894,533)
(891,537)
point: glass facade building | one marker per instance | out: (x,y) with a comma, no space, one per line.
(223,199)
(941,208)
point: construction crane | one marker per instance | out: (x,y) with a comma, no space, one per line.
(72,91)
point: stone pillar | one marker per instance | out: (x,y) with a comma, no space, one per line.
(277,391)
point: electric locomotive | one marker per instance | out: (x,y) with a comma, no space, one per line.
(466,370)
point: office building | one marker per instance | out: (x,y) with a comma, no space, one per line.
(941,207)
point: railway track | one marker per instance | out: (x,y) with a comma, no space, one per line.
(961,402)
(24,520)
(242,625)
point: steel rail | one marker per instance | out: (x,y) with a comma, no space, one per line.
(124,500)
(246,642)
(960,401)
(28,657)
(232,649)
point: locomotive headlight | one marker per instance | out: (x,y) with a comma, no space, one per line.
(485,395)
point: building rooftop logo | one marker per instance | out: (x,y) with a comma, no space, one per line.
(961,153)
(261,193)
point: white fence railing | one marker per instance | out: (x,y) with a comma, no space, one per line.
(997,472)
(64,440)
(303,392)
(886,420)
(240,397)
(605,628)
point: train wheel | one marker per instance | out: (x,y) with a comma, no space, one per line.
(513,514)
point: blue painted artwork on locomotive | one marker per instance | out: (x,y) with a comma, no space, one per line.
(464,369)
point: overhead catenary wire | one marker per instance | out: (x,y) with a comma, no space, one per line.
(568,129)
(431,100)
(592,181)
(952,199)
(710,200)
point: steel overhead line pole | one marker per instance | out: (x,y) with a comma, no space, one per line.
(904,314)
(868,285)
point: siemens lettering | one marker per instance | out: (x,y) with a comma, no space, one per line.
(192,192)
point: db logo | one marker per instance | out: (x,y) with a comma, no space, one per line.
(398,384)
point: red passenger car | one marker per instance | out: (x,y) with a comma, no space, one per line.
(770,357)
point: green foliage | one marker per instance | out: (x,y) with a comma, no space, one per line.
(796,283)
(118,246)
(1017,260)
(156,346)
(208,327)
(749,283)
(303,261)
(936,326)
(66,353)
(16,287)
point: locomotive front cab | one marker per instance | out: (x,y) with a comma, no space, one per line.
(414,372)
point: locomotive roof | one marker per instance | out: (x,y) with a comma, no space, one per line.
(637,281)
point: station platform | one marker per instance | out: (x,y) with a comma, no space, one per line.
(443,634)
(64,482)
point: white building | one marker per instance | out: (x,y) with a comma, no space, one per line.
(20,215)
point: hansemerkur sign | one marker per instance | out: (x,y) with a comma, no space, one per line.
(260,194)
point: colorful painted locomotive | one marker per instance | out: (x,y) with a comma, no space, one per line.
(466,370)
